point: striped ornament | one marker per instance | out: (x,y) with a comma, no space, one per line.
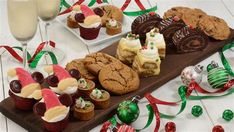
(218,77)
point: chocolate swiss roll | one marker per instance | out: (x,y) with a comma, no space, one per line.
(189,40)
(169,26)
(144,23)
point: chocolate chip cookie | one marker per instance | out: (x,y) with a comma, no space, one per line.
(96,61)
(118,78)
(214,27)
(175,11)
(192,17)
(78,64)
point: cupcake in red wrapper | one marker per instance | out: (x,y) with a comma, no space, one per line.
(54,110)
(89,22)
(24,90)
(61,81)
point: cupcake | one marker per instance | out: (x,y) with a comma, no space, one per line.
(127,48)
(71,20)
(155,37)
(85,87)
(60,81)
(100,98)
(113,27)
(24,90)
(89,23)
(83,110)
(54,110)
(147,61)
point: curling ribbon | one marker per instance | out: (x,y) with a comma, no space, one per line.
(185,92)
(137,13)
(112,123)
(91,3)
(63,3)
(224,60)
(33,61)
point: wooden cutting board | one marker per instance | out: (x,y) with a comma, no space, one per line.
(171,67)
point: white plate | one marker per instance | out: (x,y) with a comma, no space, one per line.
(102,37)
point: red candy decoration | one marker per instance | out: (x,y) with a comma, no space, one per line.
(152,13)
(170,127)
(217,128)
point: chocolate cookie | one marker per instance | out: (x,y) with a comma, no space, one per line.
(214,27)
(96,61)
(144,23)
(169,26)
(78,64)
(189,40)
(119,79)
(109,11)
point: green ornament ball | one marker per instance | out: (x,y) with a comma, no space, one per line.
(128,111)
(196,110)
(217,77)
(228,115)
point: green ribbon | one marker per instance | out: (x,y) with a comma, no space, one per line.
(37,58)
(138,13)
(150,117)
(224,60)
(182,92)
(210,97)
(63,3)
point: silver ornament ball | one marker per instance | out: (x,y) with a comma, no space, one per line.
(192,73)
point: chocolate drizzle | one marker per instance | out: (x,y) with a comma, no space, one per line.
(169,26)
(144,23)
(189,40)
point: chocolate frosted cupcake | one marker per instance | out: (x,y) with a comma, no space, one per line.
(189,40)
(83,110)
(169,26)
(100,98)
(144,23)
(89,22)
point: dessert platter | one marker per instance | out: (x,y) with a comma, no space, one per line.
(88,90)
(114,23)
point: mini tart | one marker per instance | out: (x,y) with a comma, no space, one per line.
(84,92)
(103,102)
(85,113)
(112,30)
(71,23)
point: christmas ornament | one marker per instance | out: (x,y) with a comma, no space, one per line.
(128,111)
(217,76)
(126,128)
(170,127)
(228,115)
(192,73)
(197,110)
(217,128)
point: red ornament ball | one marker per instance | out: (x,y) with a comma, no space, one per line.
(217,128)
(170,127)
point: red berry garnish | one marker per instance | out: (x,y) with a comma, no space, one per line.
(98,11)
(170,127)
(15,86)
(52,80)
(38,77)
(152,13)
(75,73)
(176,18)
(217,128)
(79,17)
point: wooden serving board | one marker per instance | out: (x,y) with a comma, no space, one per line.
(171,67)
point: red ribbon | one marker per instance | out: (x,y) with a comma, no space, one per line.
(19,58)
(156,112)
(127,2)
(12,52)
(105,126)
(158,101)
